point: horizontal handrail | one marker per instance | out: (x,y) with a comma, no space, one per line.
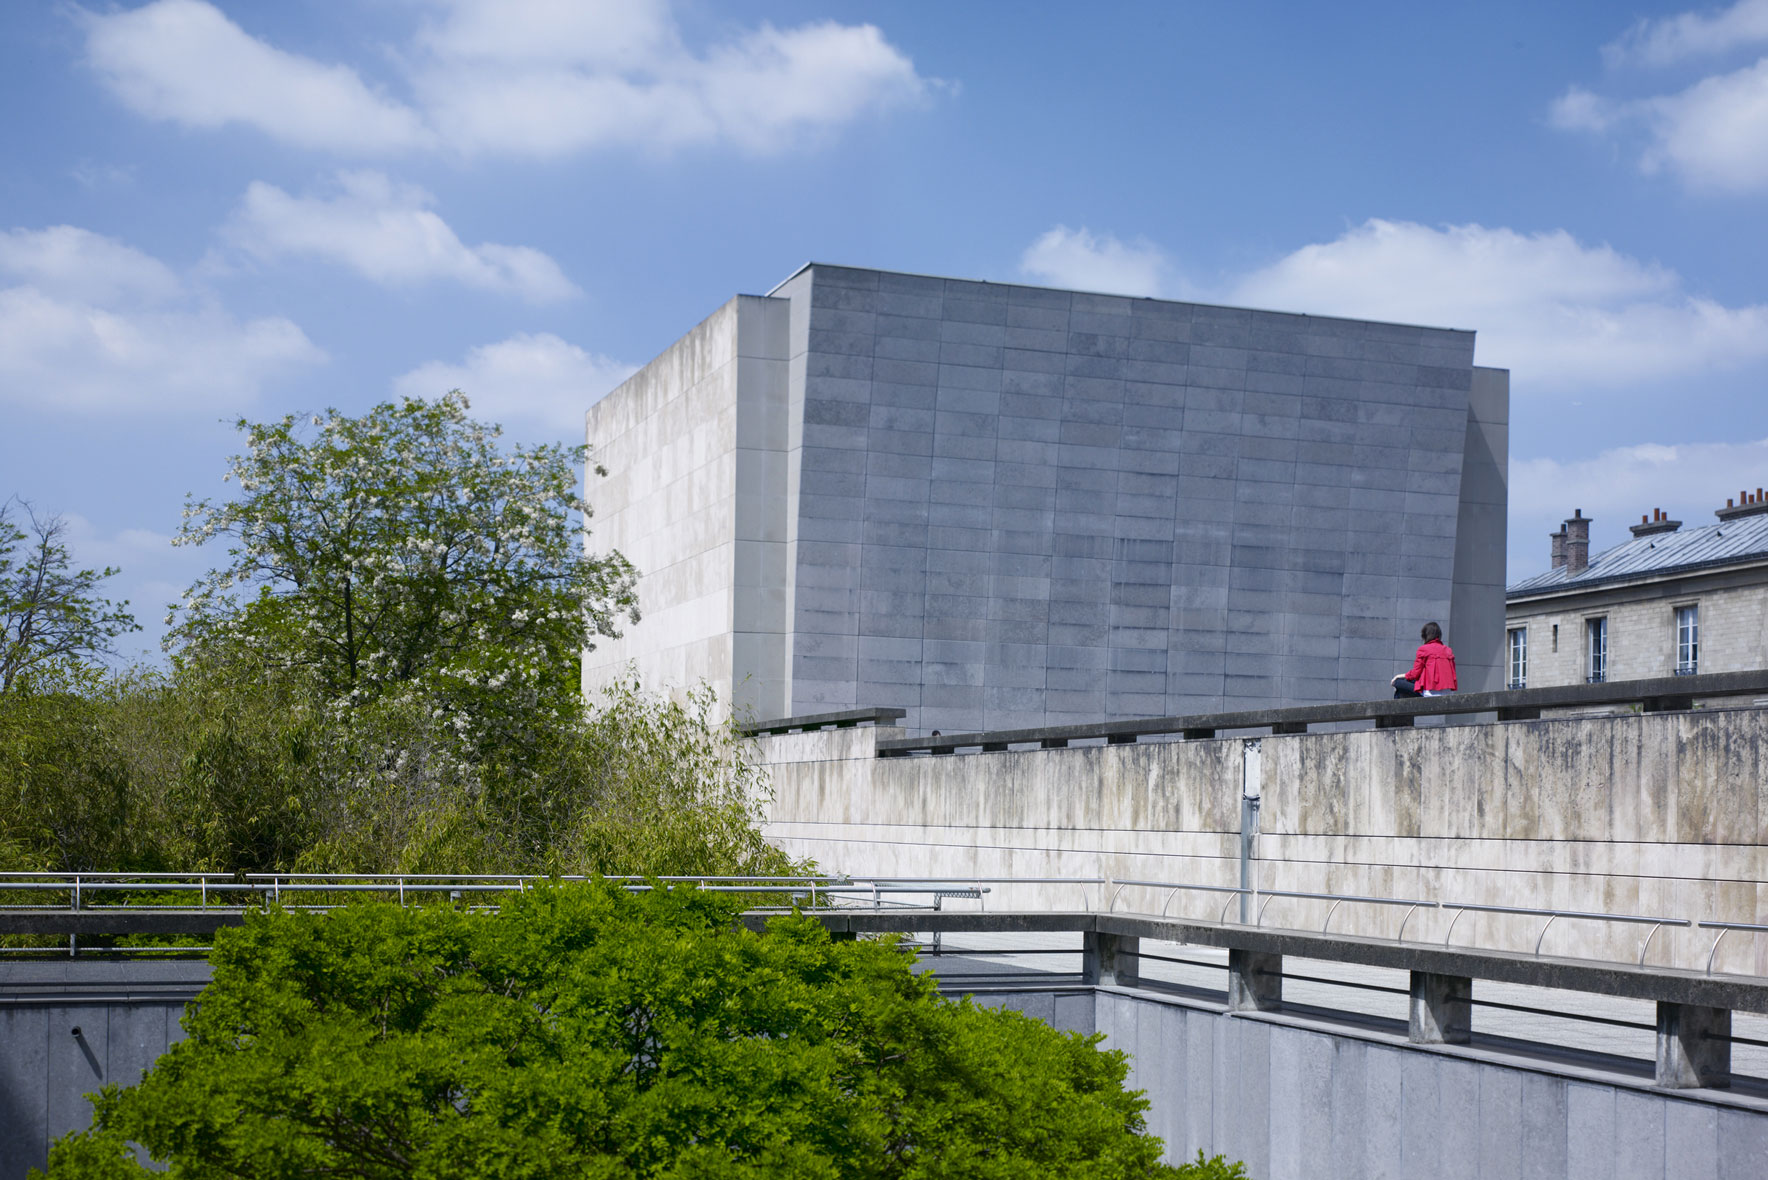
(84,876)
(1734,926)
(1657,694)
(1534,911)
(141,896)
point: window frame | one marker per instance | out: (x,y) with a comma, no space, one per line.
(1686,619)
(1517,656)
(1596,650)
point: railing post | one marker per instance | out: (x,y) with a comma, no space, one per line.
(1693,1046)
(1441,1009)
(1110,960)
(1255,981)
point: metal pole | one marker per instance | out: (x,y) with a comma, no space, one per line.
(1251,766)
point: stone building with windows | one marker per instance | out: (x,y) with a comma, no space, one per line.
(997,506)
(1672,601)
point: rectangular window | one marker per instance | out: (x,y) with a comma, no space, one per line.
(1519,657)
(1687,640)
(1596,643)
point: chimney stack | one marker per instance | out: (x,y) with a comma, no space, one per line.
(1558,540)
(1577,542)
(1657,522)
(1746,504)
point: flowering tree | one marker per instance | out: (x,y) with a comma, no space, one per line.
(404,552)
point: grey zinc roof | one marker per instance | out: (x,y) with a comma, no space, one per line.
(1729,541)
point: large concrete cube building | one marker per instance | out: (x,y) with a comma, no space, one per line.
(1001,506)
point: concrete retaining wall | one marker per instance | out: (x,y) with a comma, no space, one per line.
(1300,1104)
(127,1013)
(1659,814)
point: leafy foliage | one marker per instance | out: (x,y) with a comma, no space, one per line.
(211,769)
(405,552)
(382,677)
(51,616)
(588,1032)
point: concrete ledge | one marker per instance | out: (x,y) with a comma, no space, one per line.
(1662,694)
(845,719)
(102,981)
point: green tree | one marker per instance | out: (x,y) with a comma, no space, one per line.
(589,1032)
(404,552)
(51,615)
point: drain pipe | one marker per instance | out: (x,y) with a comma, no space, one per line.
(1250,768)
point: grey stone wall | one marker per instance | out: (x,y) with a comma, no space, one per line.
(1000,506)
(1020,506)
(1301,1104)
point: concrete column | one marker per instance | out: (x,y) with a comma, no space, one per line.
(1693,1046)
(1109,960)
(1442,1009)
(1255,981)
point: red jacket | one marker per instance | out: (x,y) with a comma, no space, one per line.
(1434,670)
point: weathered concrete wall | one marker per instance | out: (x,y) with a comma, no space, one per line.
(1297,1103)
(1660,814)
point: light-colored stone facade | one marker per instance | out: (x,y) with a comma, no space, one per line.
(693,495)
(1641,629)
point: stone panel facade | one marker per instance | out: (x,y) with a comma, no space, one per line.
(1001,506)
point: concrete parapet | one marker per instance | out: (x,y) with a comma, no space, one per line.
(1645,814)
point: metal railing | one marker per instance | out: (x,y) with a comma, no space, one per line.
(151,892)
(93,895)
(1725,928)
(1414,904)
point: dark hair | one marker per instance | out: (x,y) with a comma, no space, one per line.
(1431,633)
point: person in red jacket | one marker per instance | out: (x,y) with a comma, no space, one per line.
(1433,672)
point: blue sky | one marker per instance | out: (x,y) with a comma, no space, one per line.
(210,211)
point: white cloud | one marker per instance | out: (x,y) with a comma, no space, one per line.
(387,233)
(1713,135)
(1690,34)
(184,61)
(511,77)
(125,548)
(1080,259)
(1616,487)
(96,324)
(535,378)
(69,261)
(1559,313)
(562,78)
